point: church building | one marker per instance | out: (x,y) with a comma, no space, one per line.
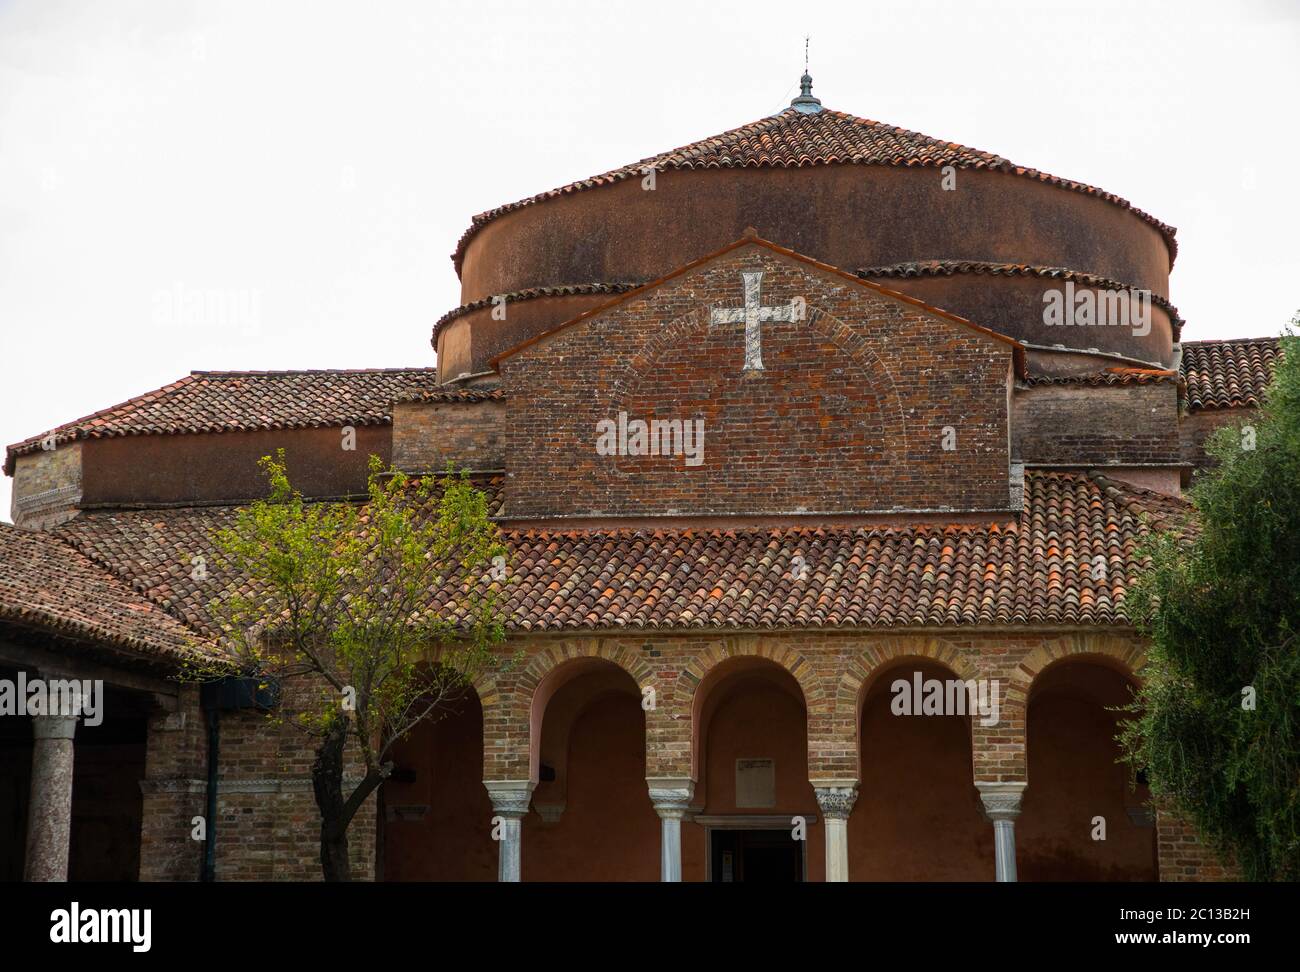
(822,450)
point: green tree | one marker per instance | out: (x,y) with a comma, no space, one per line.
(370,617)
(1217,721)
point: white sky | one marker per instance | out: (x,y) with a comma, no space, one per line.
(322,158)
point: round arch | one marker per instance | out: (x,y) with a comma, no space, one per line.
(714,665)
(1125,655)
(550,670)
(1085,816)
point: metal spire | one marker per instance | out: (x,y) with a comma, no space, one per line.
(806,103)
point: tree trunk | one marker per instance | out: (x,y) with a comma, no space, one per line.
(336,813)
(327,781)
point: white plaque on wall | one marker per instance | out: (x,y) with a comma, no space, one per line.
(755,783)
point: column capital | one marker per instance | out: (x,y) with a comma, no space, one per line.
(671,796)
(54,726)
(1001,799)
(836,797)
(510,798)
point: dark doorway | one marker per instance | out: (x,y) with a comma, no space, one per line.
(756,856)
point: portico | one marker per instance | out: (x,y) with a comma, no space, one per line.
(762,742)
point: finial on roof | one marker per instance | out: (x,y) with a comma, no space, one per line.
(806,103)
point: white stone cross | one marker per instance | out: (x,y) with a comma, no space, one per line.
(752,315)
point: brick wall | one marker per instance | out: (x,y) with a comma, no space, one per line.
(1194,428)
(1183,857)
(47,487)
(1130,424)
(428,435)
(851,412)
(216,466)
(267,826)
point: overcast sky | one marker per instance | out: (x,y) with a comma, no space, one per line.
(315,162)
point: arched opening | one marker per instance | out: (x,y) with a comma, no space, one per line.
(1076,784)
(917,817)
(750,757)
(437,818)
(591,817)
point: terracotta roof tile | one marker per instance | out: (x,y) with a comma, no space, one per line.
(1107,376)
(792,139)
(1228,374)
(1068,559)
(154,549)
(47,586)
(235,401)
(474,393)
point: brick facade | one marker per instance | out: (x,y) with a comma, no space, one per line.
(1184,857)
(851,412)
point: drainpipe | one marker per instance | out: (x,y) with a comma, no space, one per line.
(229,694)
(209,870)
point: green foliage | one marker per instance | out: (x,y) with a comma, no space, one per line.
(1222,607)
(381,614)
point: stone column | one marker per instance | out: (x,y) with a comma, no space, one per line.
(49,816)
(1002,806)
(836,802)
(670,798)
(510,803)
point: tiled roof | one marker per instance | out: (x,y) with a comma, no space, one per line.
(236,401)
(1108,376)
(792,139)
(154,551)
(1228,374)
(47,586)
(946,268)
(531,293)
(1067,560)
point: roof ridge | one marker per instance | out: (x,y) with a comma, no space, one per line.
(103,412)
(1268,339)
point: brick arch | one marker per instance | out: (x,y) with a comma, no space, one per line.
(553,667)
(553,656)
(863,669)
(688,701)
(866,665)
(507,699)
(1124,653)
(875,373)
